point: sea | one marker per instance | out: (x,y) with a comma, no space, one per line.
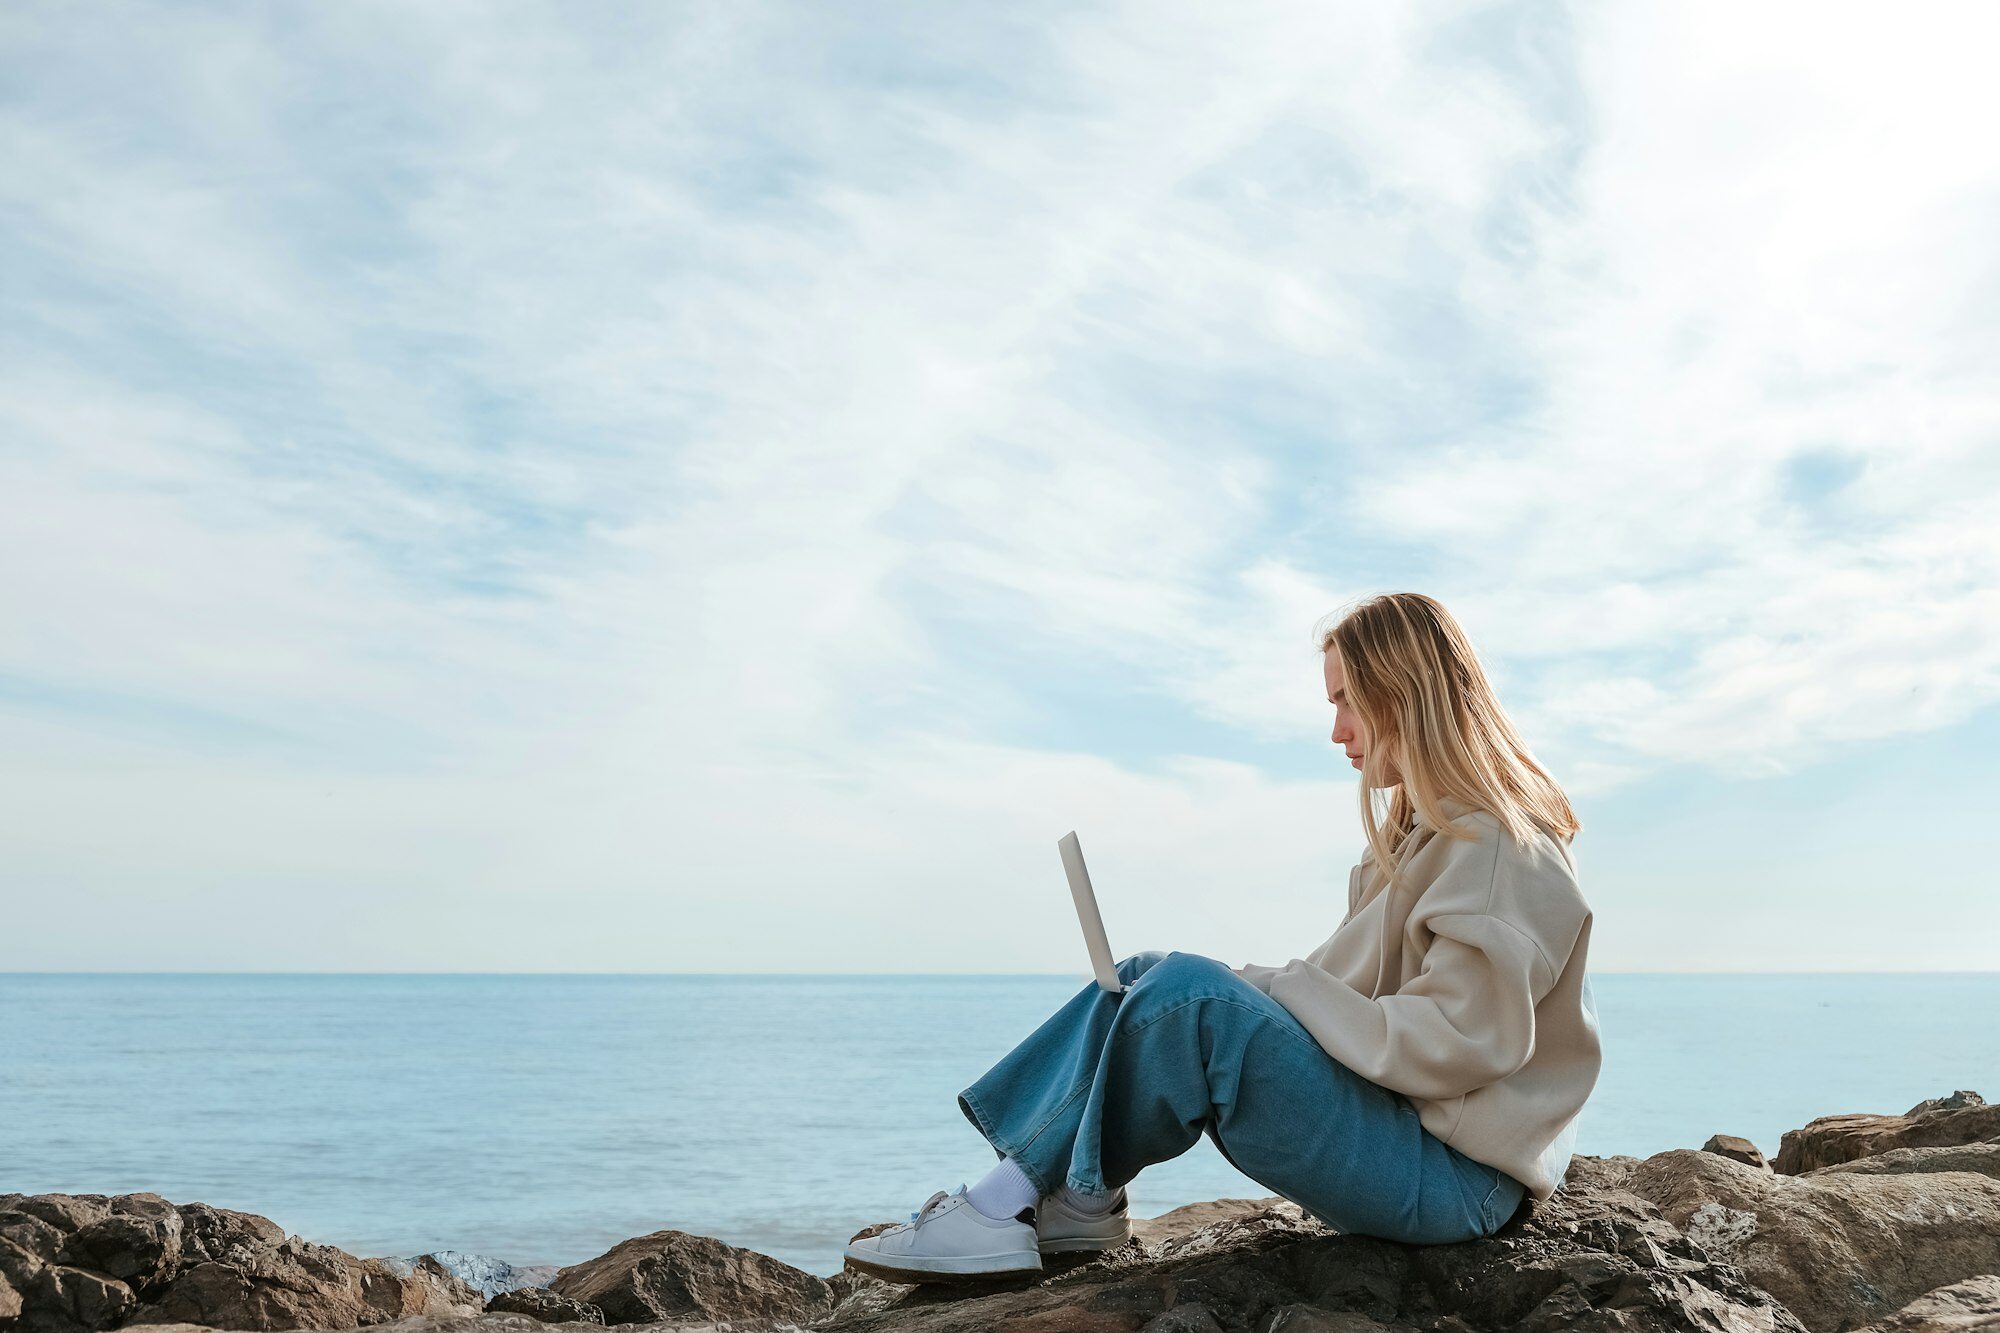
(542,1118)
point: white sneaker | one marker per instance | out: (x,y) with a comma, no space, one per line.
(948,1238)
(1061,1230)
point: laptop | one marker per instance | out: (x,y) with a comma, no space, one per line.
(1101,961)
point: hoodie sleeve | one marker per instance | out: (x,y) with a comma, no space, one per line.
(1466,1020)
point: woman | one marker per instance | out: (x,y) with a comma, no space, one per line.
(1415,1077)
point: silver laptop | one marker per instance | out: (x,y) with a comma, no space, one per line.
(1101,961)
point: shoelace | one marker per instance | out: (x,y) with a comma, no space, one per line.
(923,1214)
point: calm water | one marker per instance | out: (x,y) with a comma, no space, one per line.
(540,1119)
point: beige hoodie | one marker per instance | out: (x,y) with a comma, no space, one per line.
(1473,1002)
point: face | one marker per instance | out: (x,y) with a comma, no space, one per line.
(1350,732)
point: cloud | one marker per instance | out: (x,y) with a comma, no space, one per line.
(1761,260)
(649,477)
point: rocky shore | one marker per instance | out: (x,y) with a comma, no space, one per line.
(1883,1223)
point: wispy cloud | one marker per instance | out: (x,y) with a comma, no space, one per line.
(595,489)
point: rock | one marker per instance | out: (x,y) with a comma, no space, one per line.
(444,1291)
(1736,1150)
(507,1323)
(32,1235)
(1589,1174)
(297,1284)
(1306,1319)
(520,1323)
(138,1242)
(1184,1319)
(56,1298)
(225,1236)
(1220,1224)
(1832,1139)
(1971,1306)
(1960,1098)
(856,1293)
(1979,1158)
(489,1277)
(542,1304)
(1555,1266)
(254,1292)
(86,1262)
(1903,1239)
(1839,1249)
(1192,1217)
(674,1275)
(19,1265)
(65,1212)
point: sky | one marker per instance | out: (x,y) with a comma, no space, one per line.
(725,487)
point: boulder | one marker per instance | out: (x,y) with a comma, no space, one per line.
(443,1290)
(1942,1122)
(297,1284)
(1736,1150)
(65,1212)
(1290,1319)
(521,1323)
(675,1275)
(544,1305)
(856,1293)
(18,1264)
(1979,1158)
(223,1236)
(489,1277)
(1962,1097)
(87,1262)
(137,1242)
(1193,1218)
(1971,1306)
(57,1298)
(1838,1248)
(32,1235)
(1589,1174)
(1901,1239)
(1192,1318)
(1591,1257)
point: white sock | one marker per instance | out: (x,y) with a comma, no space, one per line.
(1083,1203)
(1002,1192)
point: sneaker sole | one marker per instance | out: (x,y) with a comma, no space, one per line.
(910,1276)
(1108,1237)
(1079,1244)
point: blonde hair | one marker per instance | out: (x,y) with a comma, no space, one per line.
(1414,678)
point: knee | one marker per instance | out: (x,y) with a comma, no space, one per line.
(1137,965)
(1176,971)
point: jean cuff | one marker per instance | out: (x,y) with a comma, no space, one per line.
(977,1115)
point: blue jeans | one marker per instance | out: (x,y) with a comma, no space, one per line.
(1112,1083)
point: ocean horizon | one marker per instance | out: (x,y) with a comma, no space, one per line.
(543,1117)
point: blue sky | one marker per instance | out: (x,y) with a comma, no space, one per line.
(725,487)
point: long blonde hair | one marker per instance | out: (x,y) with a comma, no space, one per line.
(1414,678)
